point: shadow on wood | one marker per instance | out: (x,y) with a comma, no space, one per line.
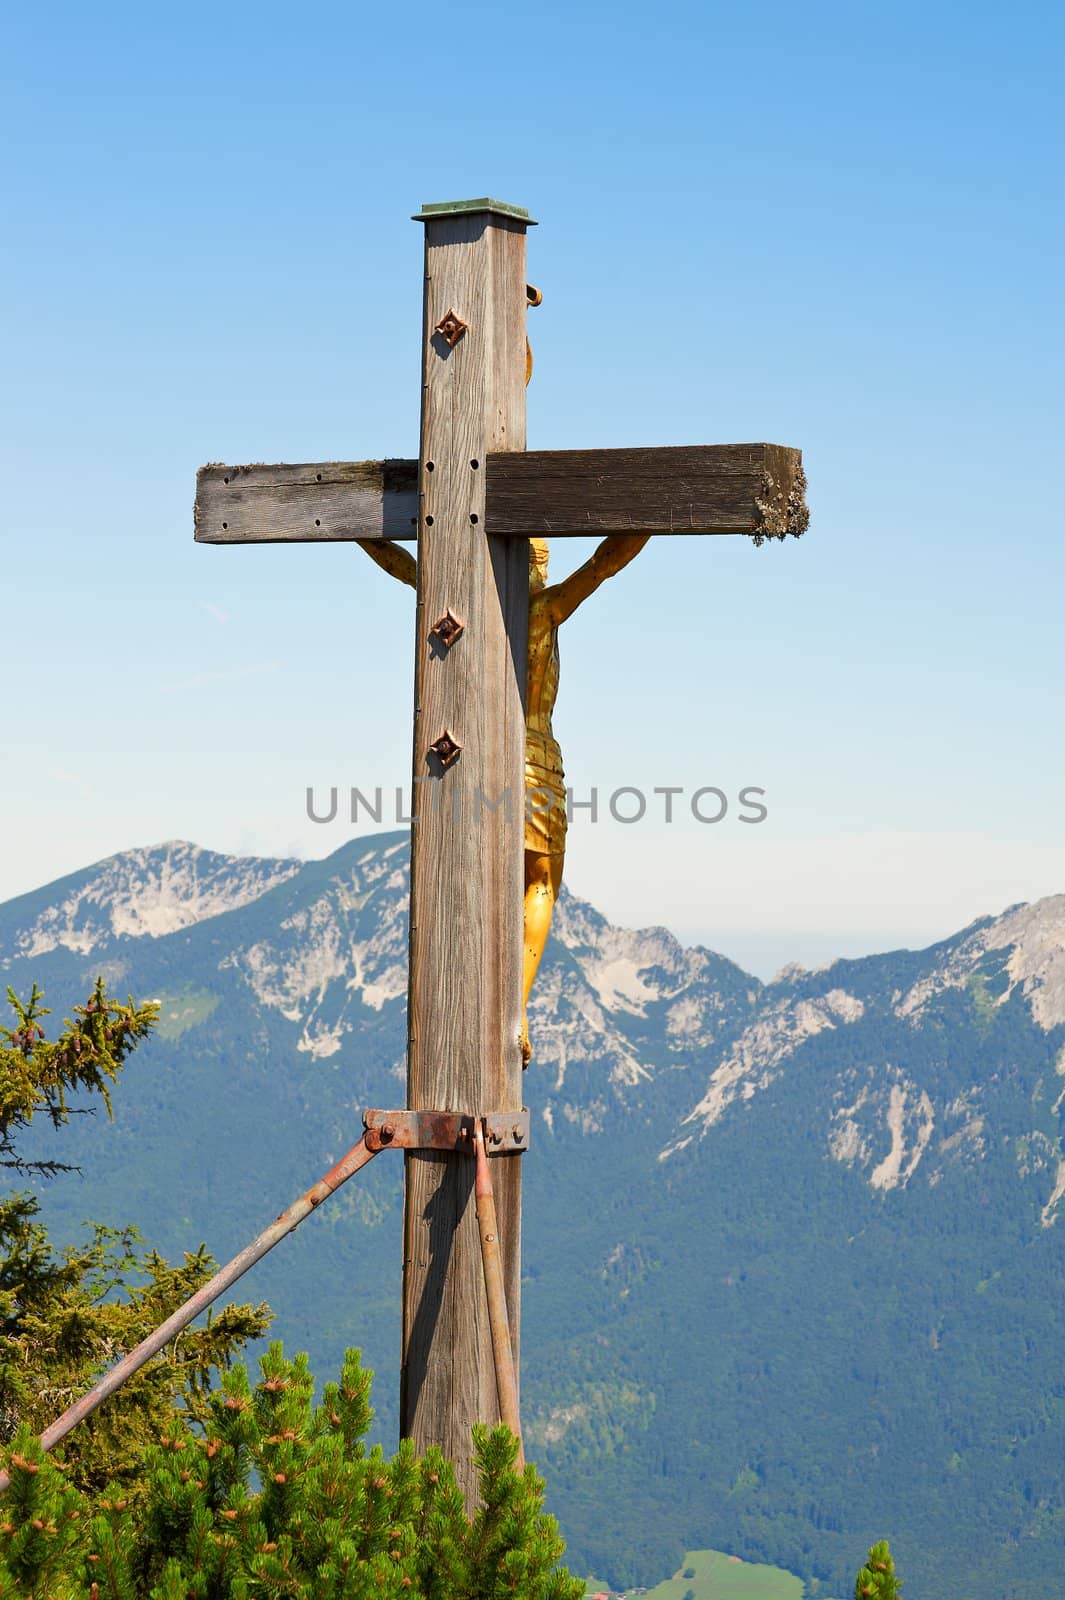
(444,1213)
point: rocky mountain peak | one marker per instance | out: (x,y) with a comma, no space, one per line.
(1034,937)
(138,893)
(625,1021)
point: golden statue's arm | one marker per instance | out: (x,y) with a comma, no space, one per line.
(392,558)
(615,552)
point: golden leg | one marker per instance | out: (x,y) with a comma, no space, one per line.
(543,878)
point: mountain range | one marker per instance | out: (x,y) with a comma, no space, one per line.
(794,1251)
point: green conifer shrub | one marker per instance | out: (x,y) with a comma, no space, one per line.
(877,1580)
(277,1497)
(66,1316)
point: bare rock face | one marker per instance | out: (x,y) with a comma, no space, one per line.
(139,894)
(1034,939)
(882,1114)
(625,1021)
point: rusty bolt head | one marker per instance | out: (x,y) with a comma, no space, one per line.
(445,749)
(451,328)
(448,628)
(387,1131)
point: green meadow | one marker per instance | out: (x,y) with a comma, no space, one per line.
(712,1575)
(181,1009)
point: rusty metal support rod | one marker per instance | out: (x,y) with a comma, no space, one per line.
(498,1319)
(357,1157)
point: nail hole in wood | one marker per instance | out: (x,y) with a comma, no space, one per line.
(473,464)
(474,517)
(318,522)
(225,480)
(428,522)
(318,476)
(225,525)
(430,466)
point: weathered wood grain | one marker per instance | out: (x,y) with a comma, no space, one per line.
(464,1013)
(754,489)
(314,500)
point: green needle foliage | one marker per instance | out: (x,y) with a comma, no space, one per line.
(66,1317)
(88,1055)
(277,1497)
(877,1580)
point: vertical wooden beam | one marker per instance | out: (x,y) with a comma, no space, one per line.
(467,839)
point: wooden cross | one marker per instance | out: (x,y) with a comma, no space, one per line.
(472,500)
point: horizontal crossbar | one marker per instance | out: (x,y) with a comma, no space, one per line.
(753,489)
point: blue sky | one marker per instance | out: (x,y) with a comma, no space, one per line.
(830,226)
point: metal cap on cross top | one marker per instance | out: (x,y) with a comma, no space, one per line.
(434,210)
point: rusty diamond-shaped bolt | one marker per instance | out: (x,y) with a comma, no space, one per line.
(445,749)
(451,328)
(448,629)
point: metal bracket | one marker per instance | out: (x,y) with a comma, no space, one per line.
(507,1131)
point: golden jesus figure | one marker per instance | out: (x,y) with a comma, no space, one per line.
(545,792)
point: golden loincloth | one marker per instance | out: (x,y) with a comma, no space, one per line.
(545,795)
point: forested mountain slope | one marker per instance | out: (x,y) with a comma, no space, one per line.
(794,1251)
